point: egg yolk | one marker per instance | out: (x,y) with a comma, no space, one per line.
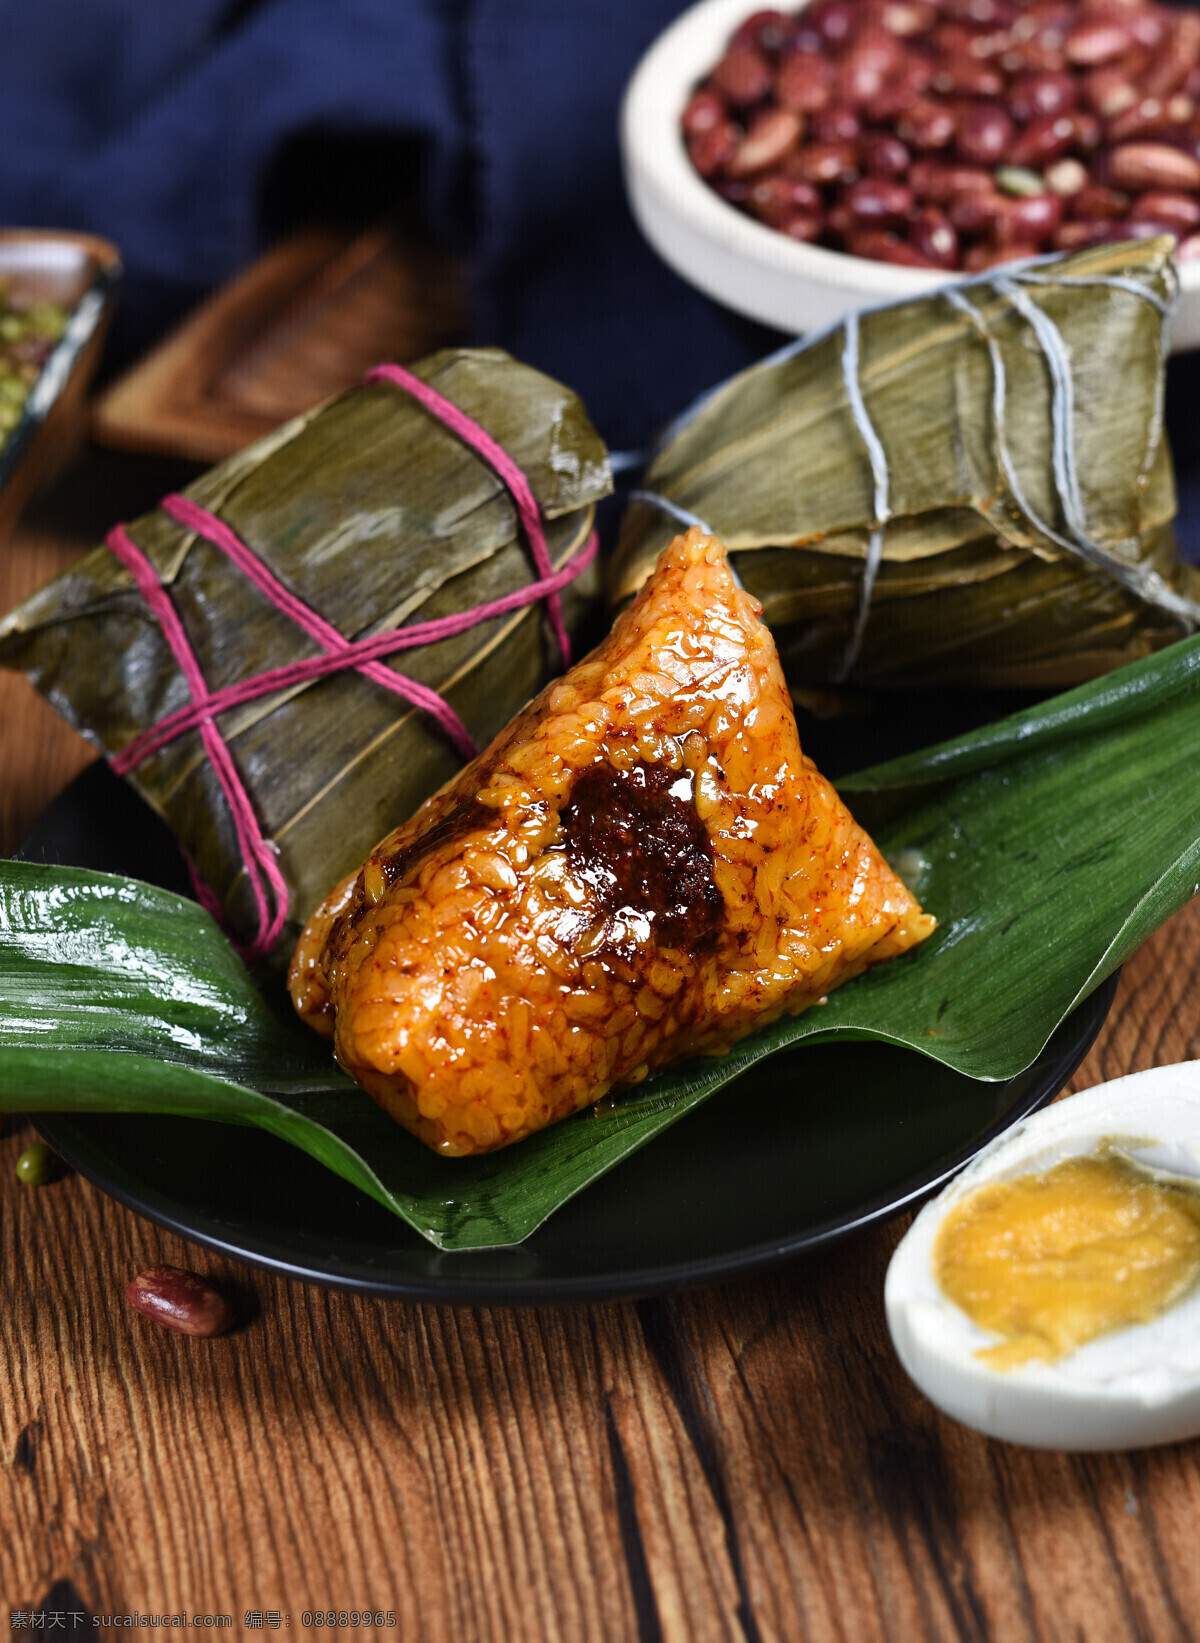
(1049,1261)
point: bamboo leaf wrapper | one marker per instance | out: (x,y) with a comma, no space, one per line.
(375,515)
(971,487)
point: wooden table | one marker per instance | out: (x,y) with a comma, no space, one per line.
(743,1462)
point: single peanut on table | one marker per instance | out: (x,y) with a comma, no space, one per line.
(180,1300)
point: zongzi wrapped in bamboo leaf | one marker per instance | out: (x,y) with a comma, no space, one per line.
(379,518)
(642,867)
(973,487)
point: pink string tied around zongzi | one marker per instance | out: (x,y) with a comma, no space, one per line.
(498,458)
(268,886)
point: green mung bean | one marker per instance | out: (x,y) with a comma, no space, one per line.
(29,329)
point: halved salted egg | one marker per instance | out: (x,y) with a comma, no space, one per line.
(1050,1295)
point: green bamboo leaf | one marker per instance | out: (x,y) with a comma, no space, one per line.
(938,434)
(1049,846)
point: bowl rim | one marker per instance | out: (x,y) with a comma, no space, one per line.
(655,156)
(86,315)
(102,252)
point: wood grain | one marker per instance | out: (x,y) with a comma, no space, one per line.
(304,322)
(745,1462)
(40,754)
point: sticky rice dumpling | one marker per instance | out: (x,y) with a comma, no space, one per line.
(970,488)
(370,517)
(642,866)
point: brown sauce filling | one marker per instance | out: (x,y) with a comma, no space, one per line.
(467,817)
(635,837)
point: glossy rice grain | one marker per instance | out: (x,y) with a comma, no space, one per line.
(643,866)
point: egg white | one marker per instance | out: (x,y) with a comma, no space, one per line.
(1124,1390)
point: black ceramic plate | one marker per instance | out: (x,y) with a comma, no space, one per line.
(803,1149)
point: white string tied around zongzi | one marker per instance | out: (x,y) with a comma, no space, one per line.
(683,516)
(1110,282)
(1039,271)
(879,474)
(1141,580)
(1164,308)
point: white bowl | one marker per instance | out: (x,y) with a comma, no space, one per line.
(742,263)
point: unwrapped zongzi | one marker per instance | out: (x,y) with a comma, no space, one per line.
(644,866)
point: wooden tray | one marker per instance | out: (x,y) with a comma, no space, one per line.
(304,322)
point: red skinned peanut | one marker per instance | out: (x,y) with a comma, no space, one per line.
(180,1300)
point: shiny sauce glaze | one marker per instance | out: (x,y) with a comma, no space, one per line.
(634,837)
(467,817)
(381,872)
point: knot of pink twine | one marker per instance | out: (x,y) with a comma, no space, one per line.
(259,854)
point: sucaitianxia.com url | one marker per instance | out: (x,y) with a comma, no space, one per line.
(50,1620)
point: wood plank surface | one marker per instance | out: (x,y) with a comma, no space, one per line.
(304,322)
(738,1462)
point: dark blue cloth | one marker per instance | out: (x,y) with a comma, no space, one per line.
(162,126)
(158,126)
